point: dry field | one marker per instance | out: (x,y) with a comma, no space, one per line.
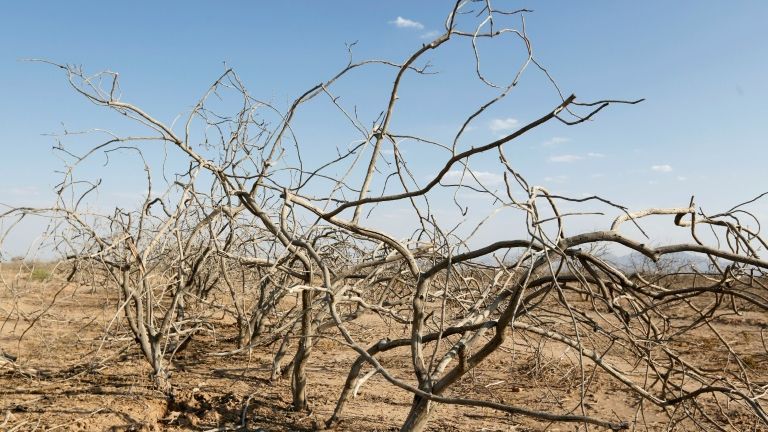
(68,376)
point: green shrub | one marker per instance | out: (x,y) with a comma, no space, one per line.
(40,274)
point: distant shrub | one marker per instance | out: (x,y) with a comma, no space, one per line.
(40,274)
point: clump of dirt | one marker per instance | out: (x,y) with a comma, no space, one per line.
(192,408)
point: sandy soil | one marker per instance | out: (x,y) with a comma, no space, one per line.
(67,376)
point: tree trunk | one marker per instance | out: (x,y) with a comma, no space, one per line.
(277,368)
(162,381)
(299,382)
(418,417)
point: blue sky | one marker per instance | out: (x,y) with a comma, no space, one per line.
(701,65)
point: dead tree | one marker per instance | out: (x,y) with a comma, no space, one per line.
(249,216)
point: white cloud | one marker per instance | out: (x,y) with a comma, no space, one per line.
(661,168)
(498,125)
(565,158)
(430,34)
(24,191)
(401,22)
(682,178)
(484,177)
(391,152)
(555,141)
(556,179)
(568,158)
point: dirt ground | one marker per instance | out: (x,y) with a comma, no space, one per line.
(67,376)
